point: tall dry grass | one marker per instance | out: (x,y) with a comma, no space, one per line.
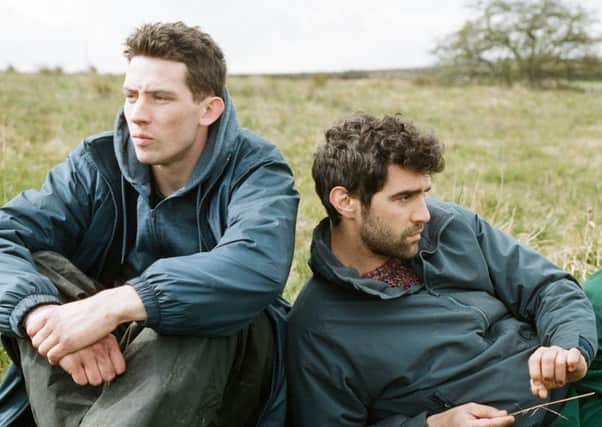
(528,161)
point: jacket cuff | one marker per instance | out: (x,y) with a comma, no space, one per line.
(586,349)
(417,421)
(572,341)
(564,340)
(24,307)
(149,300)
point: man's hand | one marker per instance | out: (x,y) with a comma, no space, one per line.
(471,415)
(96,364)
(59,330)
(554,367)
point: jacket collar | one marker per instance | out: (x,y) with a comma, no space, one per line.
(325,265)
(440,217)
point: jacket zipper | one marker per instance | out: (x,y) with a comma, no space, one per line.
(471,307)
(115,220)
(202,225)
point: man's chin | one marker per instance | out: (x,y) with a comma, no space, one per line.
(143,157)
(409,252)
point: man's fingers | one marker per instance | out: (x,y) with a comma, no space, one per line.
(535,373)
(92,372)
(484,411)
(488,416)
(71,364)
(573,358)
(106,369)
(548,366)
(79,375)
(117,359)
(47,346)
(560,368)
(534,364)
(34,324)
(36,318)
(40,336)
(538,390)
(56,353)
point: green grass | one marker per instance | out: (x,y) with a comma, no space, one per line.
(529,161)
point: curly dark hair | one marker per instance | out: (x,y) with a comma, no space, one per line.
(175,41)
(359,149)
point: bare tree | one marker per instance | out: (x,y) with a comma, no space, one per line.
(529,40)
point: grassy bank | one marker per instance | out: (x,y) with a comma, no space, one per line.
(529,161)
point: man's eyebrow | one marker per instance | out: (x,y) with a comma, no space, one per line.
(150,91)
(409,193)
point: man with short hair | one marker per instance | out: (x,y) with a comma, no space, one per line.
(141,285)
(419,312)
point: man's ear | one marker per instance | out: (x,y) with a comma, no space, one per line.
(346,205)
(213,107)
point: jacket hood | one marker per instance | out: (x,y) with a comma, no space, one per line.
(214,155)
(324,264)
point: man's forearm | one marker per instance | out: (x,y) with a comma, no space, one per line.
(63,329)
(123,304)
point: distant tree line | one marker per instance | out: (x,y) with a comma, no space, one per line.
(531,40)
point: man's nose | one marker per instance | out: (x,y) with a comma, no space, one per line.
(421,214)
(138,111)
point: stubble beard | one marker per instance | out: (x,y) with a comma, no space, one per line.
(382,240)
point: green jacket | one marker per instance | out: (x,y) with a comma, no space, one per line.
(363,353)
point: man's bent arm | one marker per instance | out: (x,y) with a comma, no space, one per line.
(49,219)
(221,291)
(536,290)
(60,330)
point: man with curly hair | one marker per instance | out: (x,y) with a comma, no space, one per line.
(421,313)
(141,285)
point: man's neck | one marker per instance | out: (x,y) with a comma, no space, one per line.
(346,245)
(171,177)
(168,180)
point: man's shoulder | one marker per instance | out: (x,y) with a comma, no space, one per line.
(249,143)
(98,152)
(443,212)
(442,207)
(99,140)
(318,301)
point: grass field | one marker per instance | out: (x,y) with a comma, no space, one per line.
(528,161)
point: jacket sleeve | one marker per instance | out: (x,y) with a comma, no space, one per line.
(536,290)
(220,291)
(48,219)
(325,388)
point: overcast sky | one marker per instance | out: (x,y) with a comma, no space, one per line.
(257,36)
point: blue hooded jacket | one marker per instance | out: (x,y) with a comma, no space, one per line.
(363,353)
(209,276)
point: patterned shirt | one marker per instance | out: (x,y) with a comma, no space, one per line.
(396,273)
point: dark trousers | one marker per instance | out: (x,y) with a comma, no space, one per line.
(169,380)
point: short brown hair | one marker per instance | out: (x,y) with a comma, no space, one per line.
(176,41)
(359,149)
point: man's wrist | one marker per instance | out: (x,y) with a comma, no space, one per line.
(124,303)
